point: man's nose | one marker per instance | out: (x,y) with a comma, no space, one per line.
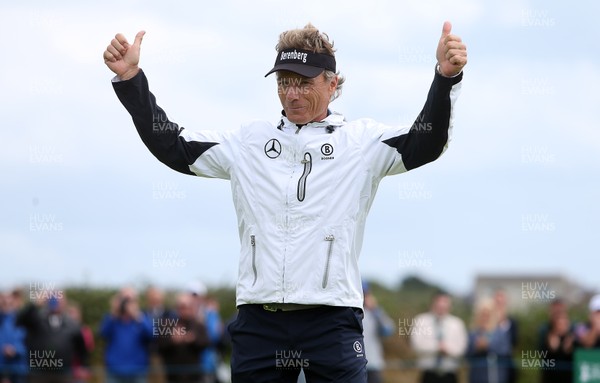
(292,92)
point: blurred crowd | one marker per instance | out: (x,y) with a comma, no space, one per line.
(45,340)
(442,341)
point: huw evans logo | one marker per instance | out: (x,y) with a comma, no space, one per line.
(291,359)
(167,327)
(41,291)
(44,223)
(539,291)
(168,259)
(413,326)
(536,359)
(44,360)
(161,124)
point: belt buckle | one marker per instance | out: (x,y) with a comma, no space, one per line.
(269,308)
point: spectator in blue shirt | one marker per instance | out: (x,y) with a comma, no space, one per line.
(128,333)
(12,344)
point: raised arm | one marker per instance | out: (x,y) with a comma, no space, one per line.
(167,141)
(428,136)
(398,149)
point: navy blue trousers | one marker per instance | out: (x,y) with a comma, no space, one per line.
(271,347)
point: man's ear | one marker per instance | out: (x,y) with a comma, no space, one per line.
(333,85)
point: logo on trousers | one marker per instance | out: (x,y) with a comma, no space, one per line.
(357,346)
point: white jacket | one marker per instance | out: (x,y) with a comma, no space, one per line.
(424,341)
(301,194)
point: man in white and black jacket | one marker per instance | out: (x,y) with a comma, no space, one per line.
(299,289)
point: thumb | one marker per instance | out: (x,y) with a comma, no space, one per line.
(446,29)
(138,38)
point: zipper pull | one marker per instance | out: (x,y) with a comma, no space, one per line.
(253,240)
(306,159)
(330,237)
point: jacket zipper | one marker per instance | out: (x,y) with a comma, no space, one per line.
(253,244)
(307,161)
(329,238)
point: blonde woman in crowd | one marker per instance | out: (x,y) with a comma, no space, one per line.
(488,346)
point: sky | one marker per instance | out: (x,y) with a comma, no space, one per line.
(84,202)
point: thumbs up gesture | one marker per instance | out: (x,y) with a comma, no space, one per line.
(123,58)
(451,52)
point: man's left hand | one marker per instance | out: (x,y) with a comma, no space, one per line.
(451,52)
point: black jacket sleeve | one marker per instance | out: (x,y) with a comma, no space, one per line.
(427,137)
(160,135)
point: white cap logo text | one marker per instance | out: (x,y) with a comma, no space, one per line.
(294,56)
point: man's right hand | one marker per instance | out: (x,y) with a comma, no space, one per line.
(123,58)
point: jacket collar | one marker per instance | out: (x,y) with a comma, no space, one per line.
(331,122)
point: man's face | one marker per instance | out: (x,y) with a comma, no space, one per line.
(154,297)
(185,309)
(441,305)
(304,99)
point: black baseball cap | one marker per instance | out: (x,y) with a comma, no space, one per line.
(305,63)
